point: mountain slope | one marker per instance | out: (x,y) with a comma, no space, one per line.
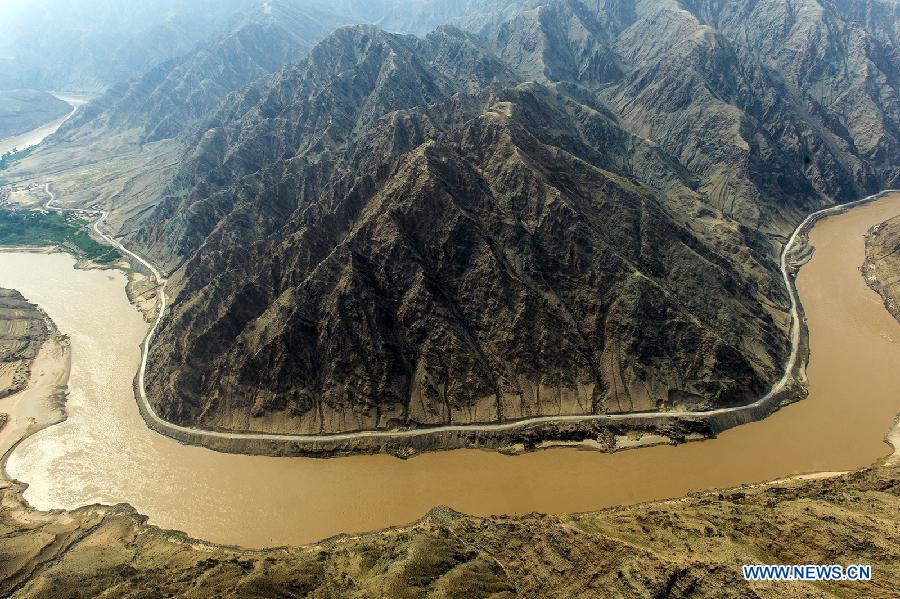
(168,100)
(761,148)
(842,55)
(399,230)
(23,110)
(577,210)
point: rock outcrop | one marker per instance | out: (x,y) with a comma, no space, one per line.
(882,267)
(424,240)
(23,331)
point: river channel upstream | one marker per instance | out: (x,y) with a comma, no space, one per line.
(104,453)
(38,134)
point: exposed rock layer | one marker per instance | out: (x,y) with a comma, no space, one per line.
(22,332)
(576,211)
(882,268)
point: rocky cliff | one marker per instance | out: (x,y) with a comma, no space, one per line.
(22,332)
(882,267)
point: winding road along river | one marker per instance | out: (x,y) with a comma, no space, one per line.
(104,453)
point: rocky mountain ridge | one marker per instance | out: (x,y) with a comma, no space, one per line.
(576,207)
(441,223)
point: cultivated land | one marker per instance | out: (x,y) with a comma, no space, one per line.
(22,333)
(28,228)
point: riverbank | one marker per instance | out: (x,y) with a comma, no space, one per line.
(42,403)
(104,452)
(693,545)
(24,141)
(882,266)
(23,110)
(32,346)
(603,432)
(63,231)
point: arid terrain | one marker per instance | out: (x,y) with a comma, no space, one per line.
(23,110)
(882,268)
(554,208)
(690,547)
(543,227)
(22,333)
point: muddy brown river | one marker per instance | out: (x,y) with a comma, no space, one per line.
(103,453)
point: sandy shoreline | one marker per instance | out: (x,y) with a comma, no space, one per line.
(23,141)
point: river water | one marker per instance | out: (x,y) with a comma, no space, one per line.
(37,135)
(105,454)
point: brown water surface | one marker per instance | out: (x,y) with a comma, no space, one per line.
(104,453)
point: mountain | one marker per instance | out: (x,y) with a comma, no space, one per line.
(842,57)
(758,145)
(94,45)
(426,239)
(169,98)
(882,267)
(569,207)
(89,46)
(122,146)
(419,17)
(166,101)
(23,331)
(561,41)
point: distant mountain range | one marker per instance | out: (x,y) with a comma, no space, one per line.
(92,45)
(86,46)
(559,207)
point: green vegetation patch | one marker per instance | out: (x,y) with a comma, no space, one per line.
(14,155)
(19,227)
